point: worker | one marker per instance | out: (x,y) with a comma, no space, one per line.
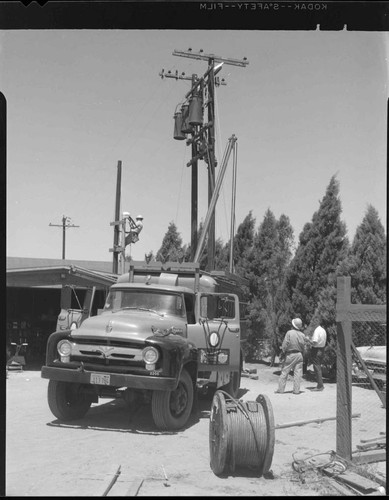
(293,347)
(135,228)
(318,342)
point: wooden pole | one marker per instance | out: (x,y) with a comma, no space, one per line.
(63,236)
(211,163)
(313,420)
(194,193)
(344,368)
(112,482)
(116,229)
(233,197)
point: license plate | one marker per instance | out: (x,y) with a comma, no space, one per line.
(100,379)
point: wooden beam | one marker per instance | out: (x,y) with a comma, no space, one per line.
(357,481)
(112,482)
(313,420)
(340,488)
(368,457)
(344,370)
(363,312)
(134,488)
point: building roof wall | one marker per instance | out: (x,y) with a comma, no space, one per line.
(30,262)
(35,272)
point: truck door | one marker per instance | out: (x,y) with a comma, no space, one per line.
(217,332)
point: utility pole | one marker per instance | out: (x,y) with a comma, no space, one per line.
(203,134)
(65,225)
(193,130)
(116,230)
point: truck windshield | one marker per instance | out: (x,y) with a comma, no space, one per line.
(161,303)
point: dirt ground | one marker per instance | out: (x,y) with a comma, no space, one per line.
(46,458)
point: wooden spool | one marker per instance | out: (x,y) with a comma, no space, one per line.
(241,434)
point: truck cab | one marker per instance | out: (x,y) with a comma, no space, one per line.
(166,331)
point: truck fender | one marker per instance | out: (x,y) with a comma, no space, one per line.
(52,341)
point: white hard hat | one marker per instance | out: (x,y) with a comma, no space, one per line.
(126,214)
(297,323)
(139,217)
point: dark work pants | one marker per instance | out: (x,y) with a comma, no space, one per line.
(316,358)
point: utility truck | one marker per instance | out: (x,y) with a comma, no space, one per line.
(166,332)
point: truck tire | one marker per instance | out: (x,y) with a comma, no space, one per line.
(66,401)
(171,409)
(233,385)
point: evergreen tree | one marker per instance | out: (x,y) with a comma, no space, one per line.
(221,252)
(221,255)
(322,245)
(366,265)
(243,243)
(311,278)
(367,261)
(267,262)
(171,248)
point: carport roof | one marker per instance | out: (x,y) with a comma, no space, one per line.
(29,272)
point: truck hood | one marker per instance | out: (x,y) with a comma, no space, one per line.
(136,325)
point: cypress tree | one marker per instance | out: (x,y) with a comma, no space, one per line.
(268,259)
(322,245)
(171,248)
(311,277)
(367,260)
(366,264)
(243,243)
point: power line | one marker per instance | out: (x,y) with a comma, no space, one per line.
(65,225)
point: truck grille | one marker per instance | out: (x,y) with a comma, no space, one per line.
(106,353)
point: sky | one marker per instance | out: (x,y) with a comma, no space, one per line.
(309,105)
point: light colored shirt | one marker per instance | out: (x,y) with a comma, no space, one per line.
(319,337)
(139,225)
(294,340)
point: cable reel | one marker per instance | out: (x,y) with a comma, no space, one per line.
(241,434)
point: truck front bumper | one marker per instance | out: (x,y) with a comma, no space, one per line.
(116,379)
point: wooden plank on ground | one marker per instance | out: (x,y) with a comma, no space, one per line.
(357,481)
(368,457)
(115,475)
(134,488)
(340,488)
(374,444)
(372,440)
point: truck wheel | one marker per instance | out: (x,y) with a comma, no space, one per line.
(233,385)
(171,409)
(66,400)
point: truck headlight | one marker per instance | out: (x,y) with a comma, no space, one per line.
(150,355)
(64,348)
